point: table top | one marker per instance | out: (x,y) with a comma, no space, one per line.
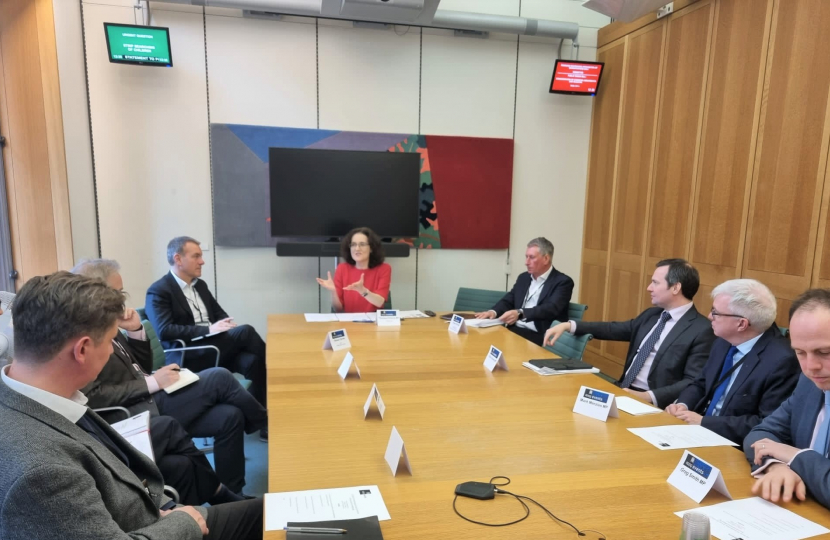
(459,423)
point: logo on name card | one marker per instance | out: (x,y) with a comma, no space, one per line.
(494,352)
(698,466)
(338,334)
(388,313)
(457,318)
(365,492)
(595,395)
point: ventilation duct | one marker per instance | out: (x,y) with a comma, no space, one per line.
(625,10)
(406,12)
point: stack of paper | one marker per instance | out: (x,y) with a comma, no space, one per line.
(186,377)
(136,431)
(637,408)
(412,314)
(675,437)
(320,317)
(356,317)
(483,323)
(322,505)
(548,371)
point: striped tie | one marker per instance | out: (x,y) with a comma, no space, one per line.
(645,350)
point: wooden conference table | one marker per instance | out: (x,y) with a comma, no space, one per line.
(460,423)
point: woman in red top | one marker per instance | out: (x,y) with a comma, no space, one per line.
(361,283)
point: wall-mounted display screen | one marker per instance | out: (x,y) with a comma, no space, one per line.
(576,78)
(140,45)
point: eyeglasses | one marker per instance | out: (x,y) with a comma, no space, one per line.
(358,244)
(715,313)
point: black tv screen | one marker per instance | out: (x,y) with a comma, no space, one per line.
(326,193)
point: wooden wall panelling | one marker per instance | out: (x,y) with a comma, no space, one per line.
(791,152)
(821,265)
(634,171)
(730,126)
(680,117)
(618,29)
(600,189)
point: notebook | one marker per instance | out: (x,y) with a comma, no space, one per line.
(448,316)
(357,529)
(562,364)
(186,377)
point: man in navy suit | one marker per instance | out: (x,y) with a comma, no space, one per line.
(540,295)
(751,369)
(789,449)
(667,344)
(181,307)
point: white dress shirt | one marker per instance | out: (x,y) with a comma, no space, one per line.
(194,300)
(531,298)
(642,377)
(71,409)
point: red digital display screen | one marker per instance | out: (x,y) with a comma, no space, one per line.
(576,78)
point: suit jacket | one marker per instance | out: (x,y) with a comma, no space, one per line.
(119,383)
(58,482)
(681,355)
(767,377)
(171,315)
(552,303)
(793,424)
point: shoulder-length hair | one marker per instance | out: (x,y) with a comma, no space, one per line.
(376,256)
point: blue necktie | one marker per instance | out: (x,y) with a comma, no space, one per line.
(645,350)
(721,390)
(820,444)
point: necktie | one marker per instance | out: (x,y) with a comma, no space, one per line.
(645,350)
(821,442)
(721,389)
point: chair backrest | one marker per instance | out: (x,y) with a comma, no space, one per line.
(784,331)
(576,311)
(155,345)
(569,345)
(141,313)
(388,303)
(476,299)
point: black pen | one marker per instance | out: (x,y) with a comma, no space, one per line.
(175,369)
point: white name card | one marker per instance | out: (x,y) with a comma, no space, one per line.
(346,366)
(337,340)
(374,394)
(388,317)
(495,359)
(457,325)
(595,404)
(396,453)
(695,478)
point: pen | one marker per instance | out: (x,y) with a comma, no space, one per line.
(175,369)
(318,530)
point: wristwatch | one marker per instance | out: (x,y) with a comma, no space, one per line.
(521,313)
(366,293)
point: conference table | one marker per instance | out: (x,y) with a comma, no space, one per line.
(460,422)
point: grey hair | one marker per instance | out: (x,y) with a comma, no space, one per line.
(176,247)
(750,299)
(545,246)
(49,311)
(97,268)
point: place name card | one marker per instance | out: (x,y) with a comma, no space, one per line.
(595,404)
(495,360)
(696,478)
(396,453)
(374,394)
(388,317)
(457,325)
(346,367)
(337,340)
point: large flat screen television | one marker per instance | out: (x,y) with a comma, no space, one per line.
(326,193)
(576,78)
(139,45)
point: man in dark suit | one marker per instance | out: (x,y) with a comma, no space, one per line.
(180,307)
(66,473)
(751,369)
(540,295)
(668,344)
(214,406)
(790,449)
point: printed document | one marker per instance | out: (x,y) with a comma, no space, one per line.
(323,505)
(678,437)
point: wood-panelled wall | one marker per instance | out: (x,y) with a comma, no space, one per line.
(709,142)
(34,156)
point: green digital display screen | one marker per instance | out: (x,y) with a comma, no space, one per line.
(141,45)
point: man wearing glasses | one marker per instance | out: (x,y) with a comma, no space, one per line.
(751,369)
(668,344)
(181,307)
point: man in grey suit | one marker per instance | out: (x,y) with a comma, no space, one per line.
(789,449)
(66,473)
(668,344)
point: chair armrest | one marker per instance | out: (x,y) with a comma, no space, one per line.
(171,492)
(114,409)
(184,349)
